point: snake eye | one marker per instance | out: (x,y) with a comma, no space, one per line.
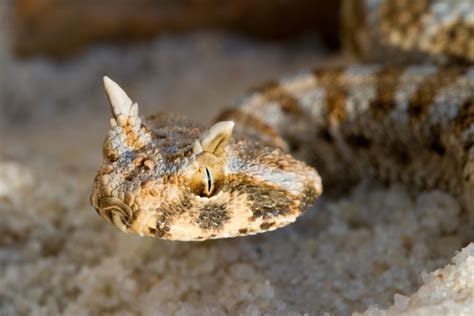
(209,184)
(207,181)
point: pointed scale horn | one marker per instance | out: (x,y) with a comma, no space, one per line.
(217,137)
(126,131)
(120,104)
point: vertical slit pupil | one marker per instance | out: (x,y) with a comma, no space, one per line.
(209,180)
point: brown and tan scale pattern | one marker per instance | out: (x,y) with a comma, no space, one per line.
(421,136)
(388,30)
(189,183)
(169,177)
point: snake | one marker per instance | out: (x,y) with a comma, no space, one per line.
(401,110)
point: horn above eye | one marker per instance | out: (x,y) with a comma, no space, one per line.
(215,139)
(119,101)
(126,133)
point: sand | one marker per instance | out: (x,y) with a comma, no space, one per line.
(377,250)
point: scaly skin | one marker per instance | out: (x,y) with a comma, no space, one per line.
(165,176)
(404,30)
(412,124)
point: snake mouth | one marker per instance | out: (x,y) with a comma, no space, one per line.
(115,211)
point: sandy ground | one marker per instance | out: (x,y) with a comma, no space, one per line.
(370,249)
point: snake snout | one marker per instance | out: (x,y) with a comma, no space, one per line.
(115,211)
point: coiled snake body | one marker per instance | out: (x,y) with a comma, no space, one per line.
(166,176)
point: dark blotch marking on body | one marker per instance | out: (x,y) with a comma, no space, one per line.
(334,83)
(162,226)
(213,216)
(266,226)
(386,82)
(358,141)
(167,214)
(402,157)
(325,135)
(437,147)
(266,201)
(152,230)
(308,196)
(273,92)
(422,99)
(465,119)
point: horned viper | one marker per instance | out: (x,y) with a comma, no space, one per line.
(169,177)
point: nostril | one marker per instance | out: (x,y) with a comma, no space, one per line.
(114,207)
(117,217)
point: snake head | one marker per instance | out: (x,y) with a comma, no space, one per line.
(168,177)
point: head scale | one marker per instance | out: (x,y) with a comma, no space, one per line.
(167,177)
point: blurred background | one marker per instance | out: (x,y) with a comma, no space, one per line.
(186,56)
(57,257)
(190,55)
